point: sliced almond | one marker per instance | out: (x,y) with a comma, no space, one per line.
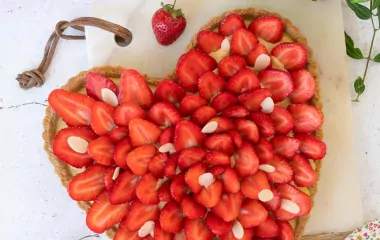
(262,62)
(160,182)
(206,179)
(109,97)
(232,161)
(265,195)
(77,144)
(290,206)
(167,147)
(116,173)
(210,127)
(267,105)
(161,205)
(267,168)
(237,230)
(225,46)
(146,229)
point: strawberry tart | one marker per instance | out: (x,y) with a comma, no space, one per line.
(228,146)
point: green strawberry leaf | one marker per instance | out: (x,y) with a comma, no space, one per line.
(375,4)
(359,1)
(351,50)
(361,11)
(359,85)
(377,58)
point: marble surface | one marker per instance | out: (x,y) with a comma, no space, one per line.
(32,205)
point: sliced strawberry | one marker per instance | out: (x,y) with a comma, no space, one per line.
(228,207)
(264,124)
(164,114)
(292,55)
(230,65)
(191,66)
(217,225)
(216,170)
(242,81)
(190,156)
(269,28)
(278,82)
(121,152)
(275,202)
(257,50)
(171,217)
(210,196)
(187,135)
(283,172)
(230,181)
(306,118)
(169,91)
(267,229)
(87,185)
(166,136)
(236,111)
(157,165)
(285,146)
(252,100)
(138,159)
(264,150)
(146,189)
(192,176)
(190,103)
(311,146)
(209,41)
(223,124)
(243,41)
(102,150)
(64,152)
(246,161)
(191,209)
(202,115)
(139,214)
(108,178)
(217,158)
(95,82)
(126,112)
(160,234)
(73,108)
(247,129)
(252,213)
(103,215)
(171,166)
(220,142)
(222,101)
(253,185)
(304,174)
(124,233)
(283,121)
(209,85)
(178,187)
(196,229)
(249,234)
(230,24)
(164,194)
(117,134)
(286,231)
(143,132)
(304,86)
(124,188)
(236,138)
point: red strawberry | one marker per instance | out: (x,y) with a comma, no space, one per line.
(292,55)
(256,187)
(139,214)
(138,159)
(164,114)
(64,152)
(242,81)
(252,213)
(143,132)
(230,65)
(73,108)
(216,170)
(247,130)
(171,218)
(95,82)
(164,192)
(264,150)
(124,233)
(285,146)
(117,134)
(190,103)
(102,150)
(311,146)
(264,124)
(267,229)
(243,41)
(209,41)
(236,138)
(107,178)
(230,24)
(275,202)
(283,172)
(178,187)
(217,225)
(283,121)
(191,66)
(192,176)
(217,158)
(160,234)
(304,86)
(223,124)
(168,24)
(269,28)
(210,196)
(187,135)
(87,185)
(202,115)
(246,161)
(278,82)
(257,50)
(285,231)
(121,152)
(221,142)
(253,99)
(169,91)
(248,235)
(196,229)
(209,85)
(304,174)
(124,188)
(180,236)
(126,112)
(146,189)
(222,101)
(191,209)
(171,167)
(236,111)
(228,207)
(157,165)
(230,181)
(134,89)
(190,156)
(166,136)
(103,215)
(306,118)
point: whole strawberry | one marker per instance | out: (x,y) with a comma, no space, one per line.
(168,24)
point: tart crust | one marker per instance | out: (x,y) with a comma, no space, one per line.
(77,83)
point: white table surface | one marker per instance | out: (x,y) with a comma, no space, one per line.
(33,204)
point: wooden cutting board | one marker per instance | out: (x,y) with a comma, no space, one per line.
(338,204)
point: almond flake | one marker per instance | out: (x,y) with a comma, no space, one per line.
(267,168)
(262,62)
(77,144)
(109,97)
(167,147)
(146,229)
(267,105)
(265,195)
(206,179)
(161,205)
(210,127)
(232,161)
(116,173)
(290,206)
(237,230)
(225,46)
(160,182)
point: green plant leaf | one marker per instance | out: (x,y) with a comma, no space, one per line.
(361,11)
(375,4)
(377,58)
(359,85)
(351,50)
(359,1)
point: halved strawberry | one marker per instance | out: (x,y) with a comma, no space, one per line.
(257,50)
(191,66)
(275,202)
(220,142)
(134,89)
(157,165)
(126,112)
(285,146)
(222,101)
(143,132)
(311,146)
(191,209)
(196,229)
(64,152)
(236,138)
(286,231)
(224,124)
(171,217)
(217,225)
(73,108)
(190,156)
(139,214)
(87,185)
(253,185)
(242,81)
(278,82)
(252,213)
(169,91)
(146,189)
(124,233)
(210,196)
(124,188)
(138,159)
(306,118)
(230,24)
(171,166)
(283,121)
(264,150)
(304,86)
(164,114)
(209,41)
(247,130)
(210,84)
(103,215)
(292,55)
(252,99)
(187,135)
(230,180)
(121,152)
(228,207)
(246,161)
(217,158)
(178,187)
(230,65)
(267,229)
(117,134)
(95,82)
(166,136)
(107,178)
(102,150)
(269,28)
(243,41)
(304,174)
(283,172)
(264,124)
(236,111)
(190,103)
(216,171)
(202,115)
(160,234)
(192,176)
(164,194)
(102,118)
(249,234)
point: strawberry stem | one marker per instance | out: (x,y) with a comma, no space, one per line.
(175,1)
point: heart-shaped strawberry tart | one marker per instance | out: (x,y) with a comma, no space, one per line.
(229,151)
